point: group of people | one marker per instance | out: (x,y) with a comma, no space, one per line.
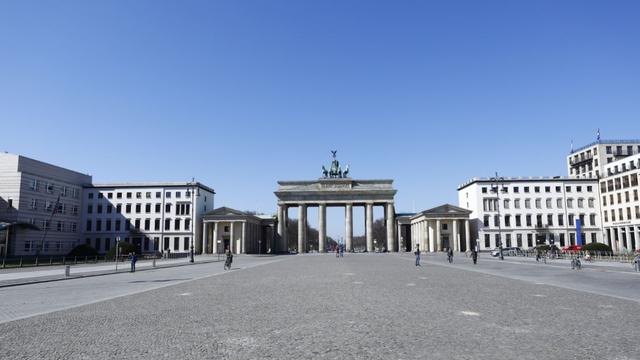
(339,251)
(474,255)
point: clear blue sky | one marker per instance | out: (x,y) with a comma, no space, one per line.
(240,94)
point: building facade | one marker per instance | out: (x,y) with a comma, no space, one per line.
(620,203)
(46,196)
(525,212)
(155,217)
(436,229)
(238,231)
(589,161)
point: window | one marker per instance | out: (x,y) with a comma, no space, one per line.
(64,191)
(506,203)
(34,185)
(571,220)
(507,220)
(186,243)
(127,209)
(147,224)
(526,189)
(536,189)
(187,224)
(158,194)
(75,209)
(168,195)
(528,219)
(515,190)
(127,225)
(561,240)
(60,226)
(592,219)
(110,195)
(176,225)
(487,241)
(147,208)
(592,203)
(518,220)
(34,204)
(118,225)
(560,220)
(538,203)
(146,244)
(529,240)
(100,195)
(570,203)
(539,220)
(98,225)
(496,221)
(178,194)
(89,209)
(547,189)
(166,243)
(118,208)
(107,244)
(550,219)
(516,203)
(119,195)
(486,221)
(156,224)
(558,189)
(90,195)
(176,243)
(167,224)
(527,203)
(99,209)
(549,203)
(519,240)
(88,228)
(128,195)
(603,187)
(138,208)
(138,195)
(148,195)
(580,203)
(589,188)
(484,190)
(167,208)
(579,188)
(137,224)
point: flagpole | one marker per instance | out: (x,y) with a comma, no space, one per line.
(46,228)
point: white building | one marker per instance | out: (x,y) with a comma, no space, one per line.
(154,216)
(590,160)
(29,192)
(620,203)
(532,211)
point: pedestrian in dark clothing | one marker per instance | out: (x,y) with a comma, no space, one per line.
(133,257)
(474,256)
(341,250)
(417,253)
(337,251)
(450,255)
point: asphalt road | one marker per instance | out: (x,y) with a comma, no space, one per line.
(375,306)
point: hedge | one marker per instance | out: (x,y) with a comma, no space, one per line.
(83,250)
(125,249)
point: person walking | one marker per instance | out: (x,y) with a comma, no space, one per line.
(450,255)
(229,259)
(417,253)
(341,250)
(474,256)
(133,258)
(338,251)
(636,263)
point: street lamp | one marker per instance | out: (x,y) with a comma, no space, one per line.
(497,185)
(193,209)
(375,245)
(117,248)
(218,249)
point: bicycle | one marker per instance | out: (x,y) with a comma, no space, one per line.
(227,263)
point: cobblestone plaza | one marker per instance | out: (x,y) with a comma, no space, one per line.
(362,306)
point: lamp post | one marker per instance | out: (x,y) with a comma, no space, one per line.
(218,249)
(375,245)
(117,249)
(497,185)
(259,247)
(193,210)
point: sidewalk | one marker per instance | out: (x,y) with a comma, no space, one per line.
(32,276)
(565,262)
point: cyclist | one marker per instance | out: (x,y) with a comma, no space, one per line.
(229,260)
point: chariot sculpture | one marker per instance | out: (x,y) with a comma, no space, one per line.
(335,171)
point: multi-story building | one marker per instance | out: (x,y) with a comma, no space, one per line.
(590,160)
(525,212)
(154,216)
(620,203)
(45,196)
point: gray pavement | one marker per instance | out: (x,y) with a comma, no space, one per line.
(363,306)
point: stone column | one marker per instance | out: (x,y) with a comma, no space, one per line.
(438,237)
(232,239)
(302,228)
(348,221)
(204,237)
(390,226)
(432,240)
(215,237)
(454,244)
(369,227)
(243,241)
(399,237)
(467,232)
(322,228)
(282,233)
(285,245)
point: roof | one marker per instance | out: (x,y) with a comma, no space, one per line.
(604,142)
(230,213)
(527,179)
(149,184)
(17,224)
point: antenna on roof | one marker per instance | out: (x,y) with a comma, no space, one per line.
(571,145)
(598,135)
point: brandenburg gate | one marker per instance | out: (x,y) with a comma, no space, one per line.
(335,188)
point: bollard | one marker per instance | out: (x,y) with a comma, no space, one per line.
(36,261)
(20,262)
(154,262)
(67,270)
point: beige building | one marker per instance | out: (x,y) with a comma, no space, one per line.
(621,203)
(238,231)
